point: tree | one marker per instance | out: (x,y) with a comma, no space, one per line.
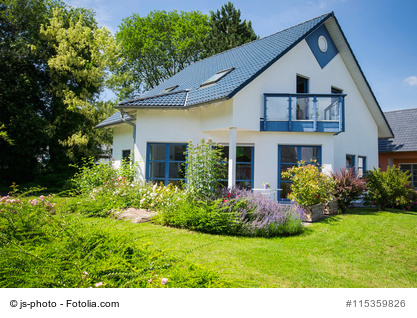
(158,46)
(228,30)
(54,61)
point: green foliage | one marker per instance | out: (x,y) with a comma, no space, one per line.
(208,217)
(92,175)
(348,187)
(204,169)
(54,60)
(105,189)
(309,185)
(239,213)
(388,188)
(42,249)
(159,45)
(228,30)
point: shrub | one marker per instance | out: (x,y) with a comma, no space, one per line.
(204,169)
(92,175)
(389,188)
(309,185)
(25,218)
(41,249)
(348,187)
(235,212)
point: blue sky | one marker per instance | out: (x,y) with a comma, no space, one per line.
(381,33)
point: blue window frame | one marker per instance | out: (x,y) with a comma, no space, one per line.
(289,156)
(165,163)
(361,165)
(244,166)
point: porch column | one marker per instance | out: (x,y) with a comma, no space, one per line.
(232,157)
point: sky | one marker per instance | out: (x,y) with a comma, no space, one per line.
(381,33)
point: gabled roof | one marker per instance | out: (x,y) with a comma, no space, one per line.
(248,61)
(404,125)
(114,120)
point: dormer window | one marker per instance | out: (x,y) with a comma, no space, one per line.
(169,89)
(217,77)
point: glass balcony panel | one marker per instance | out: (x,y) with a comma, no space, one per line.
(327,108)
(303,109)
(277,108)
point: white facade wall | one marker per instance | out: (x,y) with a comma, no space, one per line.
(122,140)
(245,110)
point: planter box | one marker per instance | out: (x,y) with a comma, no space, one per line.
(331,208)
(314,212)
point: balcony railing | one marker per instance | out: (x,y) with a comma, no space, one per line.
(303,112)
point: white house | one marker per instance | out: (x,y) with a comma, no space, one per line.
(298,94)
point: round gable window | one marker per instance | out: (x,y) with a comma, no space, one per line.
(322,44)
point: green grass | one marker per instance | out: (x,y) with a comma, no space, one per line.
(363,248)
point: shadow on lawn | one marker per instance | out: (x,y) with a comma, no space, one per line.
(376,212)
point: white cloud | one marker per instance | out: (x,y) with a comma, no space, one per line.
(412,80)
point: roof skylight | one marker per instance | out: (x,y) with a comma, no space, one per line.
(169,89)
(216,77)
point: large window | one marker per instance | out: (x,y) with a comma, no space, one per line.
(413,173)
(244,166)
(289,156)
(165,163)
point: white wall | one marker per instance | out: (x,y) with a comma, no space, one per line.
(122,140)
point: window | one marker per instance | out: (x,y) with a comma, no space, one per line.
(169,89)
(303,108)
(165,163)
(289,156)
(350,161)
(413,173)
(244,166)
(126,155)
(217,77)
(361,165)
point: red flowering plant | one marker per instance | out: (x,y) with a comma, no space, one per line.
(348,187)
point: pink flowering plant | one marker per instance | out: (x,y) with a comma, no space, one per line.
(24,217)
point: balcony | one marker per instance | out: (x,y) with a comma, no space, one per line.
(304,113)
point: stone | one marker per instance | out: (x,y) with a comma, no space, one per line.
(134,215)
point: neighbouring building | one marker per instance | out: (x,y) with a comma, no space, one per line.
(401,151)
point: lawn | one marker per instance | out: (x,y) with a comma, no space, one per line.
(362,248)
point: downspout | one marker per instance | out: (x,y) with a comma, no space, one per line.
(122,113)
